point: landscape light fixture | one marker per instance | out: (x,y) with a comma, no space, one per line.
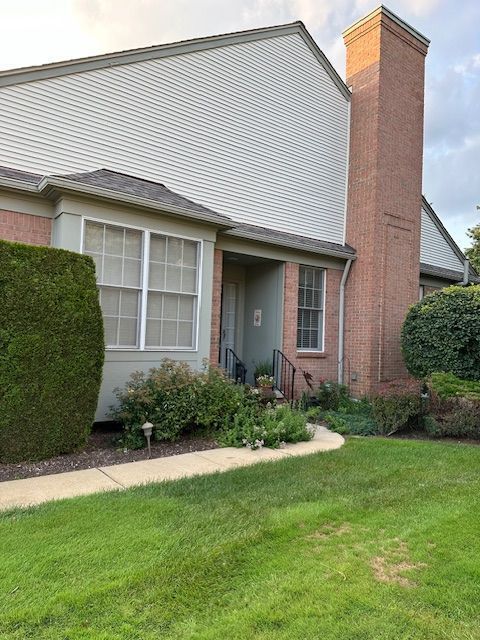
(147,428)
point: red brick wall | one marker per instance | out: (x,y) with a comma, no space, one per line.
(319,365)
(23,227)
(216,306)
(385,68)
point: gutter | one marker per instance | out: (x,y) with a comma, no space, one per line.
(341,320)
(18,185)
(290,243)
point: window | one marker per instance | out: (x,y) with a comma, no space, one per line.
(310,309)
(172,288)
(148,286)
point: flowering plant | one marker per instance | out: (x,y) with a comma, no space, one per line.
(265,381)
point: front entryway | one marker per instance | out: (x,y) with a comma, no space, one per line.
(228,325)
(251,313)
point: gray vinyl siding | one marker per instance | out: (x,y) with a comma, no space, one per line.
(257,130)
(434,249)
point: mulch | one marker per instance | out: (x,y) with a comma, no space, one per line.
(101,451)
(421,435)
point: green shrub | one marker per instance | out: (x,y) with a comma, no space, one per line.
(463,421)
(454,407)
(351,424)
(448,385)
(218,398)
(432,426)
(396,405)
(442,333)
(330,394)
(313,414)
(174,398)
(51,351)
(166,397)
(270,427)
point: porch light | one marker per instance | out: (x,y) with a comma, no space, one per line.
(147,429)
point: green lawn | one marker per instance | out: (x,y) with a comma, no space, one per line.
(380,539)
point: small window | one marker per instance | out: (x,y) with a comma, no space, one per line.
(310,309)
(167,301)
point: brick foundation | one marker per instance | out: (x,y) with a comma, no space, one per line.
(385,69)
(318,365)
(23,227)
(216,307)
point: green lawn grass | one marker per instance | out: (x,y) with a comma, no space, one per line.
(379,539)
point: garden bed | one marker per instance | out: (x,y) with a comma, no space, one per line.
(101,451)
(419,434)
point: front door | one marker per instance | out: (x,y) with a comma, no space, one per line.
(229,319)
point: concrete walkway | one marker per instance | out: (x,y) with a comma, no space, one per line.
(31,491)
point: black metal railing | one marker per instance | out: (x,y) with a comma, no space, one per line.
(283,374)
(235,368)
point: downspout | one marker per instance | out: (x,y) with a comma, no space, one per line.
(341,319)
(466,271)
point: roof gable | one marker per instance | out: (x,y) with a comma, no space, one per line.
(256,130)
(67,67)
(438,248)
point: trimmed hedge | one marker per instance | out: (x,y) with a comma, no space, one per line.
(51,351)
(442,333)
(447,385)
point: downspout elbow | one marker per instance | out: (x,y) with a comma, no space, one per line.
(466,274)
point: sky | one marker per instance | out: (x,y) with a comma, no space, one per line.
(38,31)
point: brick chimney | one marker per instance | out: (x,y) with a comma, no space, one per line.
(385,71)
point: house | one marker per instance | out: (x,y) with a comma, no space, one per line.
(240,201)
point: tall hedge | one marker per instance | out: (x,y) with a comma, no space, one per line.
(442,333)
(51,351)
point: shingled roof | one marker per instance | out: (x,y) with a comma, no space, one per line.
(147,190)
(290,240)
(116,186)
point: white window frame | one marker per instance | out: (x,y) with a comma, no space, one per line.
(142,325)
(325,271)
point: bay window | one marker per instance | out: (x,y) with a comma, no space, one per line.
(148,286)
(311,287)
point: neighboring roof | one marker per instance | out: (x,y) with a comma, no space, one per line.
(448,238)
(66,67)
(114,186)
(284,239)
(445,274)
